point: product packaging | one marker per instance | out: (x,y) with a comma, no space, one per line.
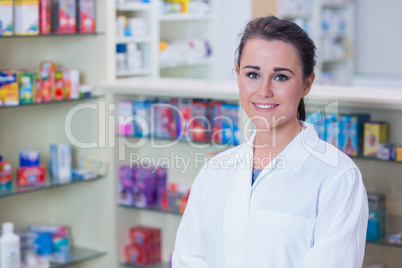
(375,133)
(29,158)
(60,162)
(31,176)
(71,80)
(165,123)
(199,125)
(386,152)
(142,117)
(377,217)
(44,16)
(51,239)
(63,18)
(185,106)
(318,120)
(230,124)
(59,89)
(86,16)
(126,194)
(351,133)
(9,89)
(126,114)
(214,117)
(27,87)
(26,17)
(145,184)
(398,154)
(44,87)
(331,122)
(6,18)
(5,175)
(145,247)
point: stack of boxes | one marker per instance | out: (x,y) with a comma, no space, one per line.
(34,17)
(193,119)
(144,247)
(142,187)
(377,217)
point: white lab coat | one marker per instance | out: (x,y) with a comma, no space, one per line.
(307,209)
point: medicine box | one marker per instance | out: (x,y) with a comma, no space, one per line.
(185,107)
(375,133)
(26,17)
(145,186)
(199,123)
(332,125)
(351,133)
(6,17)
(164,119)
(377,217)
(5,175)
(318,120)
(27,87)
(230,124)
(214,117)
(44,16)
(142,117)
(31,176)
(126,114)
(9,89)
(60,162)
(126,194)
(63,19)
(86,16)
(71,79)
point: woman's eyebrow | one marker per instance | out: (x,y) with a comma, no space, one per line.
(252,67)
(279,69)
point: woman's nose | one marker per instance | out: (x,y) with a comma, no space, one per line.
(265,90)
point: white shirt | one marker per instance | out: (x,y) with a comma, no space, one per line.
(308,208)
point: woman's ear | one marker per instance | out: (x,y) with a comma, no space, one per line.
(237,69)
(308,83)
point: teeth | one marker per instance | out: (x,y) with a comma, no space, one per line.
(266,106)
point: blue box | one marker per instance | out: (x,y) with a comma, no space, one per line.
(351,133)
(377,217)
(332,127)
(317,119)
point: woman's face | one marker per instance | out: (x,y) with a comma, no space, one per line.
(270,80)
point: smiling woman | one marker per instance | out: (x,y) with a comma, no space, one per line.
(297,201)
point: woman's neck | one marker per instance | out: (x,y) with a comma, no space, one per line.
(269,143)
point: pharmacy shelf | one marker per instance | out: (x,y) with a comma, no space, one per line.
(294,15)
(329,59)
(48,185)
(384,242)
(173,87)
(158,208)
(200,62)
(134,7)
(156,265)
(133,72)
(52,35)
(184,17)
(78,255)
(355,97)
(133,39)
(93,97)
(334,5)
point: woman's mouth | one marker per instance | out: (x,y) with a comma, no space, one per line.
(265,107)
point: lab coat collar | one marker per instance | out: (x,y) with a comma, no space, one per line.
(295,153)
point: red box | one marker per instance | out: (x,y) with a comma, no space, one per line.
(145,235)
(86,16)
(30,176)
(199,123)
(136,254)
(64,16)
(44,17)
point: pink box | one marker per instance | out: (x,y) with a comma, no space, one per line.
(86,16)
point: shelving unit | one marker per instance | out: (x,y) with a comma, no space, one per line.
(378,175)
(330,23)
(77,256)
(167,27)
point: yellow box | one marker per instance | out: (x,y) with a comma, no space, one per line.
(399,154)
(375,133)
(9,88)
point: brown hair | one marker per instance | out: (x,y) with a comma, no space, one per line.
(271,28)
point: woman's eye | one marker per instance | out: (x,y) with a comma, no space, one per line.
(281,77)
(253,75)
